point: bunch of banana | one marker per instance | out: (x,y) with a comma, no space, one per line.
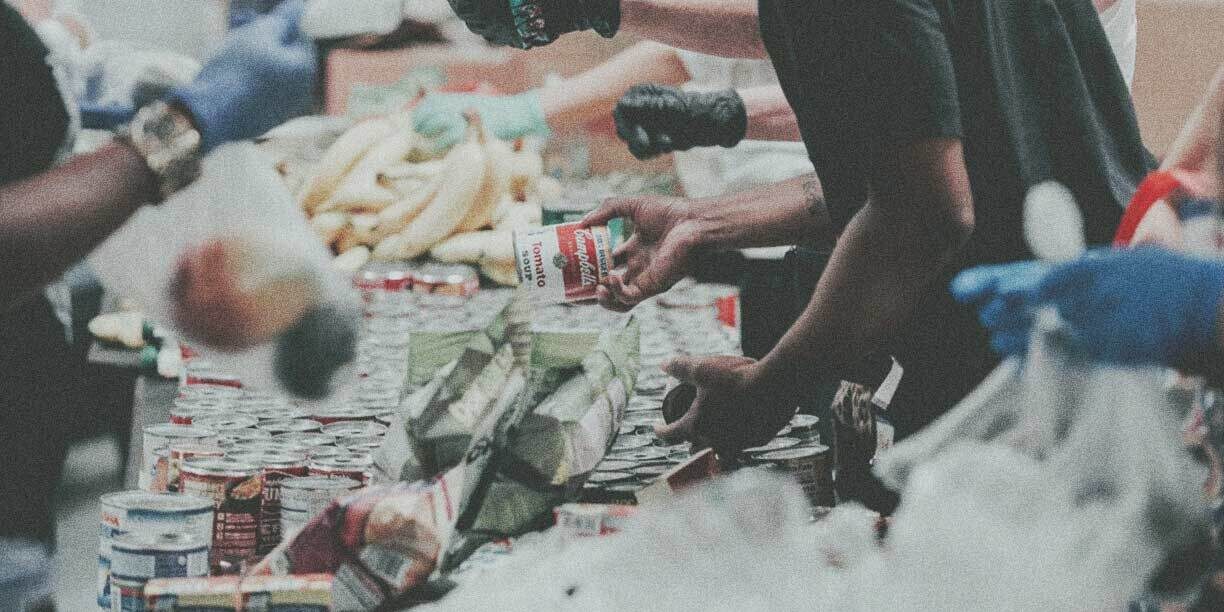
(379,193)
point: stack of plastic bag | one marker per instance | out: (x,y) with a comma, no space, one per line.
(1060,485)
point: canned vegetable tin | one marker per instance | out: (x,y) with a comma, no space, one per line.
(353,466)
(312,494)
(812,467)
(355,428)
(236,489)
(162,436)
(563,263)
(280,426)
(146,513)
(451,280)
(275,468)
(228,422)
(138,558)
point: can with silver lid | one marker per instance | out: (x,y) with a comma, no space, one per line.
(303,498)
(227,422)
(306,438)
(355,466)
(281,426)
(187,409)
(342,414)
(163,555)
(170,461)
(162,436)
(563,263)
(240,437)
(146,513)
(275,468)
(361,444)
(236,489)
(811,467)
(355,428)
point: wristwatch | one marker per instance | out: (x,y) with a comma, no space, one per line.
(169,144)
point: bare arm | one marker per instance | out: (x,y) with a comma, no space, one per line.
(51,220)
(571,103)
(727,28)
(794,213)
(770,116)
(892,251)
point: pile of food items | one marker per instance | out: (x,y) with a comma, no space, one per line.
(381,191)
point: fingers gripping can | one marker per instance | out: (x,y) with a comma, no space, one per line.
(563,263)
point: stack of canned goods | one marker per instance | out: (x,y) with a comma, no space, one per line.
(132,548)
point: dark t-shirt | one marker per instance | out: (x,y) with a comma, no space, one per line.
(1030,87)
(37,371)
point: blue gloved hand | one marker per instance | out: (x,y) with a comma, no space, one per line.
(440,116)
(1005,297)
(1142,306)
(263,76)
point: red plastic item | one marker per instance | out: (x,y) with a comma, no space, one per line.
(1156,187)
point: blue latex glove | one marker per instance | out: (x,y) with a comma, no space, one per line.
(1142,306)
(1005,296)
(263,76)
(440,116)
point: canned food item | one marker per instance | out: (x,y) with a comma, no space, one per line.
(293,521)
(326,451)
(203,375)
(385,417)
(169,462)
(280,426)
(678,401)
(353,466)
(271,412)
(146,513)
(639,455)
(165,555)
(812,467)
(624,443)
(162,436)
(593,519)
(312,494)
(239,437)
(361,444)
(306,438)
(454,280)
(297,593)
(229,422)
(355,428)
(342,414)
(275,468)
(563,263)
(207,391)
(126,594)
(187,409)
(214,594)
(273,445)
(775,444)
(384,277)
(236,489)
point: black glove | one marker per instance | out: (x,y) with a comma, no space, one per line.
(656,119)
(535,23)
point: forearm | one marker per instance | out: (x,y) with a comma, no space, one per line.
(892,252)
(770,116)
(573,102)
(727,28)
(50,221)
(786,213)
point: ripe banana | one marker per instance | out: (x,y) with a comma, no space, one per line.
(499,159)
(464,175)
(329,225)
(340,158)
(351,260)
(360,190)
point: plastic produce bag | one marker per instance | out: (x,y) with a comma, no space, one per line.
(239,200)
(1060,485)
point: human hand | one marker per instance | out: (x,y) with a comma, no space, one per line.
(1004,296)
(263,76)
(441,116)
(656,256)
(531,23)
(657,119)
(738,404)
(1141,306)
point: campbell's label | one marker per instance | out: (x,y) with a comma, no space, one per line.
(563,263)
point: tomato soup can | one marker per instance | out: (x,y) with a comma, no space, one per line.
(563,263)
